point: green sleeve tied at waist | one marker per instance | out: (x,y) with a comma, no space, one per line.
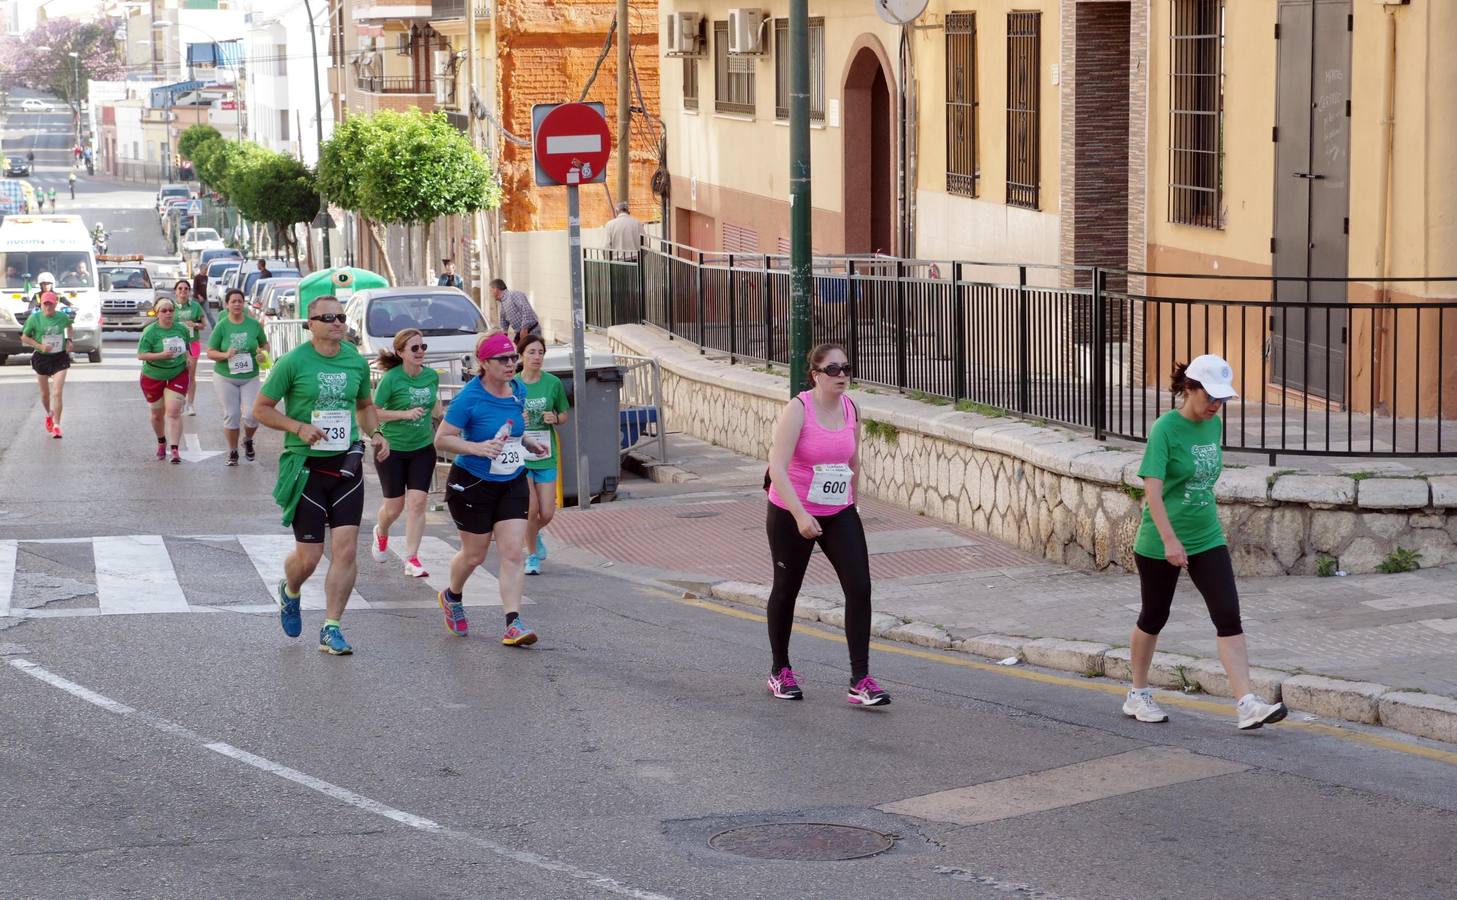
(292,476)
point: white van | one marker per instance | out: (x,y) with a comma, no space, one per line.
(60,245)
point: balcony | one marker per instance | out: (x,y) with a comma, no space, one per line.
(395,84)
(455,9)
(379,10)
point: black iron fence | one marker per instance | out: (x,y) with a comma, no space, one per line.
(1354,367)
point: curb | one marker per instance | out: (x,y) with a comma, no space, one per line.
(662,473)
(1431,716)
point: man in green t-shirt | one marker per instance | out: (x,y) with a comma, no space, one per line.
(162,348)
(325,391)
(48,333)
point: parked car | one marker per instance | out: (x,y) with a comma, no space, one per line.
(444,315)
(168,204)
(217,272)
(270,293)
(260,286)
(248,275)
(127,293)
(17,167)
(34,104)
(166,191)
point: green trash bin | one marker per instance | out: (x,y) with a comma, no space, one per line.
(340,281)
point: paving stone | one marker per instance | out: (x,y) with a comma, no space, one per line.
(1084,657)
(1316,490)
(1392,493)
(1425,715)
(992,646)
(1444,491)
(1335,698)
(921,634)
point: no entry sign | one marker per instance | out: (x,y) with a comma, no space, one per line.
(567,137)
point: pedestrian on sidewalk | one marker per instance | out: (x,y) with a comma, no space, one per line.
(324,386)
(407,398)
(624,233)
(48,334)
(515,314)
(1180,529)
(546,408)
(234,347)
(814,471)
(487,490)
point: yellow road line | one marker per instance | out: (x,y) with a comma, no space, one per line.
(1084,684)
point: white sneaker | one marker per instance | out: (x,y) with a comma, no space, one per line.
(414,569)
(1141,706)
(1254,712)
(379,547)
(189,411)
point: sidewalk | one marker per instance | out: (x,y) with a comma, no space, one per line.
(942,586)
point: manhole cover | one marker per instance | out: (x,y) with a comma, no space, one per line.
(697,514)
(807,841)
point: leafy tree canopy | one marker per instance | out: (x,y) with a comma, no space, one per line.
(195,135)
(420,168)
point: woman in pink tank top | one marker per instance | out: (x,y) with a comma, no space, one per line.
(814,471)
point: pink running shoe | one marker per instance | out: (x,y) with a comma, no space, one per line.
(50,424)
(161,453)
(866,692)
(784,686)
(414,569)
(454,615)
(379,548)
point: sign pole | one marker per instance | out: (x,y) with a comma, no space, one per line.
(579,351)
(801,278)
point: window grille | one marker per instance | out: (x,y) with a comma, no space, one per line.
(816,69)
(1024,101)
(690,83)
(733,76)
(961,104)
(1196,112)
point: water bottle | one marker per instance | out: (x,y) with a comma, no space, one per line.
(353,460)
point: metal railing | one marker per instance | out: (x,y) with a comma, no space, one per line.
(395,84)
(641,415)
(1340,367)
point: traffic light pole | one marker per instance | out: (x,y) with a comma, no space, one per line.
(800,261)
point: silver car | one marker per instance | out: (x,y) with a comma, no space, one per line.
(446,316)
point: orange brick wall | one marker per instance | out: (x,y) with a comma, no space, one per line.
(546,52)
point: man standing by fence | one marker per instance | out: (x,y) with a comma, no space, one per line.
(624,234)
(516,316)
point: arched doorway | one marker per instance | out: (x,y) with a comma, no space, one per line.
(869,177)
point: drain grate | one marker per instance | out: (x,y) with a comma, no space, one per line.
(805,841)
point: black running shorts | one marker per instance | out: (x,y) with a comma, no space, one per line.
(477,505)
(407,471)
(329,500)
(49,364)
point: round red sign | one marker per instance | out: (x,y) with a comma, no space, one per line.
(573,136)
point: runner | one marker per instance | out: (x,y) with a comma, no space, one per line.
(406,398)
(324,386)
(814,473)
(233,348)
(191,316)
(48,333)
(1181,529)
(162,348)
(487,489)
(546,408)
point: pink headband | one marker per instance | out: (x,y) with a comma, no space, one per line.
(495,345)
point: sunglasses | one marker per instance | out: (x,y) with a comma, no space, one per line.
(327,318)
(509,359)
(418,348)
(834,370)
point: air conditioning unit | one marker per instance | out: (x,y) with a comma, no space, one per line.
(746,30)
(685,33)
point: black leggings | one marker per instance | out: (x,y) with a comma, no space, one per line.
(843,542)
(1213,575)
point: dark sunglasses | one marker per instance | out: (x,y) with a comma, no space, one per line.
(510,359)
(327,318)
(418,348)
(834,370)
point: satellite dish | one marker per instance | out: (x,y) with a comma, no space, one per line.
(900,12)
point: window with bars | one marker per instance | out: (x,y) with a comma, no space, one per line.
(816,69)
(733,76)
(1024,101)
(1196,112)
(961,104)
(690,83)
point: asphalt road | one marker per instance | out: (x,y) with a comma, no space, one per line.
(201,753)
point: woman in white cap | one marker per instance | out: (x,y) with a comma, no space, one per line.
(1181,529)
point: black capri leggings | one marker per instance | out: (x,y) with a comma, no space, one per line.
(1213,575)
(843,542)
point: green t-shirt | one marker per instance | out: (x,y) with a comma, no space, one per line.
(397,390)
(154,340)
(247,337)
(39,326)
(192,312)
(307,382)
(1187,456)
(546,395)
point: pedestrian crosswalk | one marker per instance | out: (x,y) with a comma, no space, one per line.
(143,574)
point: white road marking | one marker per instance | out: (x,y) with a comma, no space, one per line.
(134,574)
(8,550)
(194,451)
(435,555)
(343,795)
(268,551)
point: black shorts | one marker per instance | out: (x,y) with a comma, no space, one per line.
(329,500)
(50,363)
(477,505)
(410,470)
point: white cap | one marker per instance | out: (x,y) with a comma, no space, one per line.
(45,278)
(1214,374)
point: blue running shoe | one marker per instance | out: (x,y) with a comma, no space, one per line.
(331,641)
(533,565)
(288,613)
(540,548)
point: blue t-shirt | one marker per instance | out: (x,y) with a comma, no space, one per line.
(480,416)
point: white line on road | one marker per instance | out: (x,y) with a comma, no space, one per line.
(134,574)
(8,550)
(359,801)
(435,556)
(268,551)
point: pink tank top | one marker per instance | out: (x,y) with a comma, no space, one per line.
(817,446)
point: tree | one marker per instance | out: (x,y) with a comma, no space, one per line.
(195,135)
(52,69)
(273,189)
(341,165)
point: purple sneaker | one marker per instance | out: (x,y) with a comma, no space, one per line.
(866,692)
(784,686)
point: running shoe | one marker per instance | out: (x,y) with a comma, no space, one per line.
(540,548)
(176,457)
(249,452)
(1254,712)
(56,432)
(189,411)
(288,611)
(455,621)
(533,565)
(414,569)
(161,453)
(379,548)
(518,634)
(1140,705)
(331,641)
(50,425)
(784,686)
(232,458)
(866,692)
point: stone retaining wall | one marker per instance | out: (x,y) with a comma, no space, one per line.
(1055,492)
